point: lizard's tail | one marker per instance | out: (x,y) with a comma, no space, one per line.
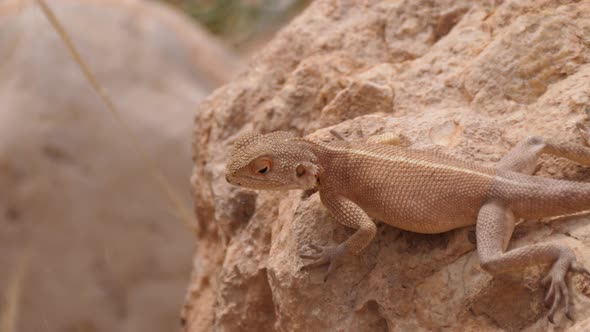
(537,197)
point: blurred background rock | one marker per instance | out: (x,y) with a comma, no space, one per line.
(100,245)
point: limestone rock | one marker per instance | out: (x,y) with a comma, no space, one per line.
(106,251)
(467,78)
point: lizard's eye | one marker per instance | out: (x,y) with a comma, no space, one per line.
(261,166)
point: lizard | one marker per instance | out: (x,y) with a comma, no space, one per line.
(424,192)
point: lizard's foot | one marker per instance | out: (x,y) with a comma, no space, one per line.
(325,255)
(558,287)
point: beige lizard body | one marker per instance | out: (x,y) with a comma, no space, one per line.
(423,192)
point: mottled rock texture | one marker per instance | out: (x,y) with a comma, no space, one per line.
(470,78)
(105,250)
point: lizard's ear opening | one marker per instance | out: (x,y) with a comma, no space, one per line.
(300,171)
(306,175)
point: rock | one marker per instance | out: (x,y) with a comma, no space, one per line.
(469,79)
(106,250)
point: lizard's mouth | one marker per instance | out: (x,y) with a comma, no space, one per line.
(268,184)
(260,184)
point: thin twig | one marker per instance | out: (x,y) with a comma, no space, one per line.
(182,211)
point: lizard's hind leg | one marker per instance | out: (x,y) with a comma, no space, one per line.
(523,156)
(494,227)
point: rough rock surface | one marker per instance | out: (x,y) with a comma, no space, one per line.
(470,78)
(104,250)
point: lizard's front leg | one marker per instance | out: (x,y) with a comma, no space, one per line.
(348,214)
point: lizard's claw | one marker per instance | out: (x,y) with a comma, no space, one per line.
(557,290)
(558,287)
(324,255)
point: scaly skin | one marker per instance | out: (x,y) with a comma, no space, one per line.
(422,192)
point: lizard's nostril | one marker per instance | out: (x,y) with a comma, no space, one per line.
(228,179)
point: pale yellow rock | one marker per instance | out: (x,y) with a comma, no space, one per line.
(469,78)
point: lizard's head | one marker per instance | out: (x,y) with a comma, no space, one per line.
(275,161)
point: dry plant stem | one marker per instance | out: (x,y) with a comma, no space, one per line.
(181,210)
(10,305)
